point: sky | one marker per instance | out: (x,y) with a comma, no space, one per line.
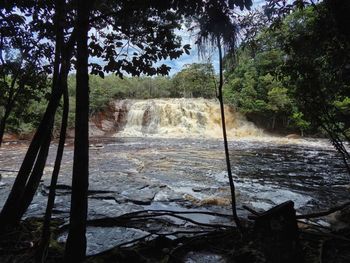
(212,56)
(177,64)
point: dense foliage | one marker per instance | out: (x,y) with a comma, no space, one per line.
(194,80)
(282,79)
(106,30)
(295,74)
(253,88)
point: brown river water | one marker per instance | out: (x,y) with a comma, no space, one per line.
(167,154)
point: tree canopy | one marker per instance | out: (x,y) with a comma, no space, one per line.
(129,37)
(294,73)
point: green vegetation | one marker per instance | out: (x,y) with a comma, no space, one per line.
(294,75)
(254,89)
(148,30)
(195,80)
(23,80)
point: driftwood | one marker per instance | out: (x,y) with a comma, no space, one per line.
(324,213)
(306,216)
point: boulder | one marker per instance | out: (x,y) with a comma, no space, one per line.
(293,136)
(277,231)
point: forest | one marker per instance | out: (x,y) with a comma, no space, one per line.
(193,166)
(260,84)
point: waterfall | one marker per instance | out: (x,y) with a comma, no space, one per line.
(179,118)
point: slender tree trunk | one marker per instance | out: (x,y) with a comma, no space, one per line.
(3,124)
(10,102)
(45,237)
(10,209)
(273,121)
(76,241)
(34,179)
(61,81)
(13,203)
(227,154)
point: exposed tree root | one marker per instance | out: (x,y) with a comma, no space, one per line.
(175,236)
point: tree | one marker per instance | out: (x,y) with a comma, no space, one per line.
(279,101)
(217,27)
(317,63)
(255,87)
(130,36)
(194,80)
(21,76)
(314,41)
(76,241)
(31,170)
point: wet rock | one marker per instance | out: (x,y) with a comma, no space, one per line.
(280,172)
(143,196)
(4,192)
(70,133)
(62,205)
(100,239)
(203,257)
(293,136)
(2,183)
(10,137)
(107,125)
(100,208)
(121,109)
(339,220)
(168,195)
(37,207)
(200,189)
(94,130)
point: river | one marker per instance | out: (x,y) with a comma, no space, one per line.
(153,172)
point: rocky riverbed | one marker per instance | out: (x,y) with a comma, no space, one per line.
(132,174)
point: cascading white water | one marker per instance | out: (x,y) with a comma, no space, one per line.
(179,118)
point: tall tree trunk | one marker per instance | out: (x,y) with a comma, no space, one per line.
(45,237)
(37,172)
(12,204)
(10,209)
(76,241)
(227,154)
(34,179)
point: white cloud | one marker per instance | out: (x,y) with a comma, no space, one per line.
(188,38)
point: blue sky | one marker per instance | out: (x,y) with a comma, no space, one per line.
(187,38)
(212,56)
(177,64)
